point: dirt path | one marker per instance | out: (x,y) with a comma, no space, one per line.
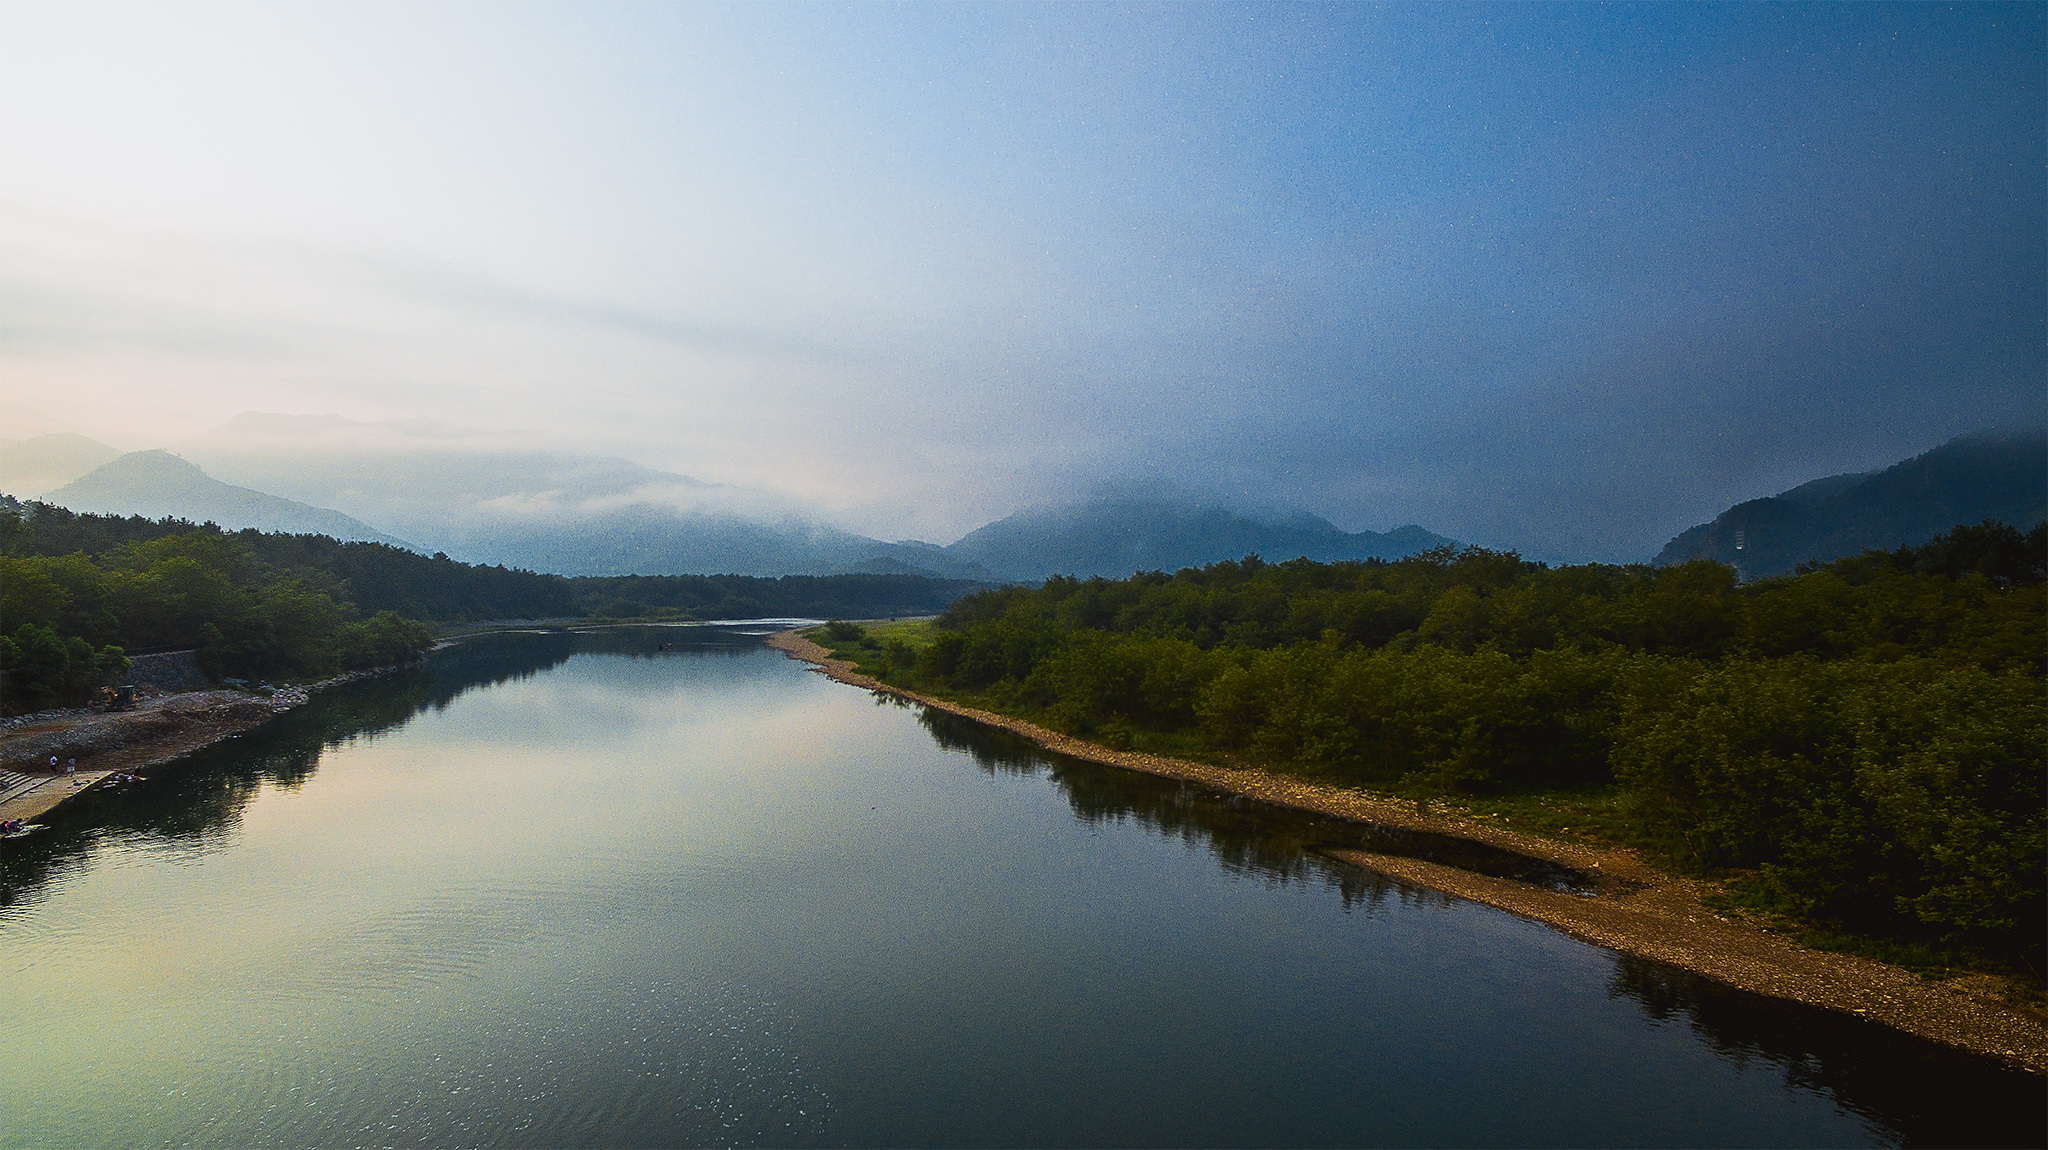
(1637,909)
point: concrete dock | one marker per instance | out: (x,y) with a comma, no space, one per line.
(29,796)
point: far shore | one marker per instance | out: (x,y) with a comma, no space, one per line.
(1637,909)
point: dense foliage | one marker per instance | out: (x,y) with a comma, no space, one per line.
(38,666)
(77,590)
(373,576)
(1868,735)
(252,604)
(752,597)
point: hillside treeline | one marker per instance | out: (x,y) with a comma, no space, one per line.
(79,591)
(374,576)
(1867,735)
(755,597)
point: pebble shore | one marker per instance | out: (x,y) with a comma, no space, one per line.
(1636,909)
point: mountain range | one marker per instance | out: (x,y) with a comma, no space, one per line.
(1966,480)
(468,494)
(156,484)
(1115,537)
(449,490)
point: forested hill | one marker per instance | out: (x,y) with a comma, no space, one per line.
(1966,480)
(78,592)
(373,576)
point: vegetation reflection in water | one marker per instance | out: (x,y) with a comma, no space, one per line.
(1919,1092)
(1904,1090)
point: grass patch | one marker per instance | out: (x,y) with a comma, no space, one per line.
(1587,813)
(884,649)
(918,633)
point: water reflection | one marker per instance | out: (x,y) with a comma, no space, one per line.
(1917,1092)
(723,1055)
(195,805)
(1247,835)
(1914,1092)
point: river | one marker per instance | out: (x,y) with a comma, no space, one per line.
(569,890)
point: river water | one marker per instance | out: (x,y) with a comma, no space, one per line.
(566,890)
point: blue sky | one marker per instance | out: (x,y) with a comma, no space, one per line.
(1554,277)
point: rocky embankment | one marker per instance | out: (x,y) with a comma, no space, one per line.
(96,739)
(160,730)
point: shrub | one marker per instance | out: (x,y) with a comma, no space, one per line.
(383,640)
(38,668)
(1902,798)
(841,631)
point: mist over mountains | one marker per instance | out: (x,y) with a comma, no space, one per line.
(485,498)
(2002,476)
(481,500)
(32,467)
(157,484)
(1116,536)
(459,492)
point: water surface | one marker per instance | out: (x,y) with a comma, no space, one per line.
(569,890)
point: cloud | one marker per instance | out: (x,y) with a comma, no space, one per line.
(910,271)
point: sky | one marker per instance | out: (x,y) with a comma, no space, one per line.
(1565,279)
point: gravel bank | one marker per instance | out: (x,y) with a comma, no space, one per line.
(156,733)
(1637,909)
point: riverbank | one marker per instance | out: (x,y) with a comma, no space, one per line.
(158,732)
(1636,909)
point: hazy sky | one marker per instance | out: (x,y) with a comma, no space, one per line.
(1561,278)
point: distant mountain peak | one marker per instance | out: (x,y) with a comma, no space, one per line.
(1117,535)
(1986,475)
(154,460)
(157,483)
(487,497)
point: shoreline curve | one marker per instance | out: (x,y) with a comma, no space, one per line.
(1636,909)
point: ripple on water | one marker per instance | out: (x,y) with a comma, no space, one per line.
(587,1063)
